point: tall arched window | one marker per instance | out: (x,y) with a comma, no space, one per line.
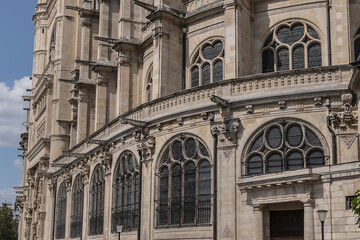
(291,45)
(77,208)
(61,212)
(207,63)
(97,192)
(284,145)
(357,44)
(184,197)
(126,190)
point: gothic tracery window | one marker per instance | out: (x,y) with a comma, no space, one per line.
(77,208)
(97,192)
(207,65)
(184,197)
(126,190)
(357,44)
(291,45)
(284,145)
(61,212)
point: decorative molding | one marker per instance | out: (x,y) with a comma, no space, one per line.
(227,233)
(348,139)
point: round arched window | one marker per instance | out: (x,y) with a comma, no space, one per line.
(207,63)
(291,45)
(284,145)
(184,197)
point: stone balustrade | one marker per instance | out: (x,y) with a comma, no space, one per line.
(199,97)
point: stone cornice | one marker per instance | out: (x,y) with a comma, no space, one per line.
(195,101)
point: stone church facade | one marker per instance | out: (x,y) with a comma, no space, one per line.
(196,119)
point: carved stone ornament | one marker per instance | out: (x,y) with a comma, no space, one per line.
(227,132)
(180,121)
(106,160)
(159,126)
(345,119)
(205,116)
(318,101)
(68,180)
(85,173)
(348,139)
(51,185)
(147,148)
(282,105)
(227,233)
(249,109)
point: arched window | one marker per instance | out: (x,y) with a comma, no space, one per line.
(126,190)
(184,197)
(357,45)
(77,208)
(284,145)
(207,63)
(61,212)
(291,45)
(97,192)
(148,84)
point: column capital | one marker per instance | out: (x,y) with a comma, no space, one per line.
(308,202)
(258,207)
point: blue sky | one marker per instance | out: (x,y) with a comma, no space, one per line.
(16,47)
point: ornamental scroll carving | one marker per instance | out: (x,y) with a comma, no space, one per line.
(106,160)
(147,147)
(344,118)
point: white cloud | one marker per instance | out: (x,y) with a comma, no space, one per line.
(7,195)
(12,114)
(18,164)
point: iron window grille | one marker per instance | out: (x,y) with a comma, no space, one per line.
(126,190)
(207,65)
(97,192)
(357,44)
(61,212)
(77,208)
(291,45)
(348,202)
(184,178)
(282,146)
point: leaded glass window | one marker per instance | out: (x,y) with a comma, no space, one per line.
(357,45)
(97,192)
(207,63)
(284,145)
(286,46)
(185,196)
(126,190)
(77,208)
(61,212)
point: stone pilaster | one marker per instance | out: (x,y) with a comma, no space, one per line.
(226,132)
(259,224)
(104,49)
(85,174)
(68,183)
(106,160)
(309,233)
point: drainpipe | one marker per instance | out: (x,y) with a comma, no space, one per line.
(54,211)
(333,139)
(215,188)
(140,195)
(328,26)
